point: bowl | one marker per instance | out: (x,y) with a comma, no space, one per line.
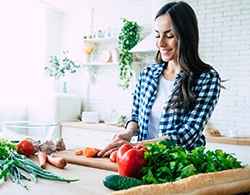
(36,130)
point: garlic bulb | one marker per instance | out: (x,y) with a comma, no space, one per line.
(48,147)
(36,145)
(60,145)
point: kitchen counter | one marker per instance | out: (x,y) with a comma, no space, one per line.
(243,140)
(90,178)
(214,139)
(98,126)
(90,182)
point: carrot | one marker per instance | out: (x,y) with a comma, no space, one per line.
(79,152)
(88,152)
(42,159)
(58,162)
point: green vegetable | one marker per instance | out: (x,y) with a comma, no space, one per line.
(5,147)
(11,164)
(167,164)
(118,182)
(166,142)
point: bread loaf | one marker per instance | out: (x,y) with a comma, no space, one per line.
(212,132)
(233,181)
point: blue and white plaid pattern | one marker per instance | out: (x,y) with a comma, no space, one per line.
(183,129)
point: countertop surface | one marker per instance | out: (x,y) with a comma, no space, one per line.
(90,182)
(90,179)
(241,140)
(98,126)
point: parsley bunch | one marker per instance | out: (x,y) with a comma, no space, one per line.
(5,147)
(172,163)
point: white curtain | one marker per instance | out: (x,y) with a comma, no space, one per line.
(22,55)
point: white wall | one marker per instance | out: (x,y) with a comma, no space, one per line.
(75,25)
(22,48)
(224,43)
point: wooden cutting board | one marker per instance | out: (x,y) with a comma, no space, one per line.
(101,163)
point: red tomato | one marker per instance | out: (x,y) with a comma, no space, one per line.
(112,157)
(25,147)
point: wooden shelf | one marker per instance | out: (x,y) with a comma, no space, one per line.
(100,64)
(101,40)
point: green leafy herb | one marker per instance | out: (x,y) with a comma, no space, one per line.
(5,147)
(12,164)
(168,163)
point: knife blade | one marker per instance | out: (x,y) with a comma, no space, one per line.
(95,155)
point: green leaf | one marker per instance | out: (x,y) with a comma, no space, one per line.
(5,147)
(57,69)
(128,38)
(173,163)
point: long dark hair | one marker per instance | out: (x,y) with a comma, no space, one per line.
(185,28)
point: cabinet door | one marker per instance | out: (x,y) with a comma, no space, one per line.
(79,137)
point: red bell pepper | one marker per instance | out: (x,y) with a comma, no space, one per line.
(130,160)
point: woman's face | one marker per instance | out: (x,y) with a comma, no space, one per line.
(166,41)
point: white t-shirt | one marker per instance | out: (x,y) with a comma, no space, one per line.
(164,90)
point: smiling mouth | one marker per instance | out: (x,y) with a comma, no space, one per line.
(165,52)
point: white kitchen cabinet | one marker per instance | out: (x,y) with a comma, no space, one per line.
(241,152)
(81,137)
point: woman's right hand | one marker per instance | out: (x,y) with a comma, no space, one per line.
(120,139)
(117,141)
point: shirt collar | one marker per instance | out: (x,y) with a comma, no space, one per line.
(159,68)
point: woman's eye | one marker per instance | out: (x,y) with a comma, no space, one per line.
(166,36)
(170,36)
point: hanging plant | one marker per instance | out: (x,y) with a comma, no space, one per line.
(128,38)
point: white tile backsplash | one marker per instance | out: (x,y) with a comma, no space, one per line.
(224,43)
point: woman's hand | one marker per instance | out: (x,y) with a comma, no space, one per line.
(120,139)
(117,141)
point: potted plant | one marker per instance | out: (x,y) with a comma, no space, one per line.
(58,70)
(128,38)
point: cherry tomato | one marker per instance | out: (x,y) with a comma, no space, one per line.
(25,147)
(112,156)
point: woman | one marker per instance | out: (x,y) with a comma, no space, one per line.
(174,98)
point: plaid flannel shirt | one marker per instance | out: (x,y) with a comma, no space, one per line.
(183,129)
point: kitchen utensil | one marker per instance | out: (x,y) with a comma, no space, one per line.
(19,130)
(95,155)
